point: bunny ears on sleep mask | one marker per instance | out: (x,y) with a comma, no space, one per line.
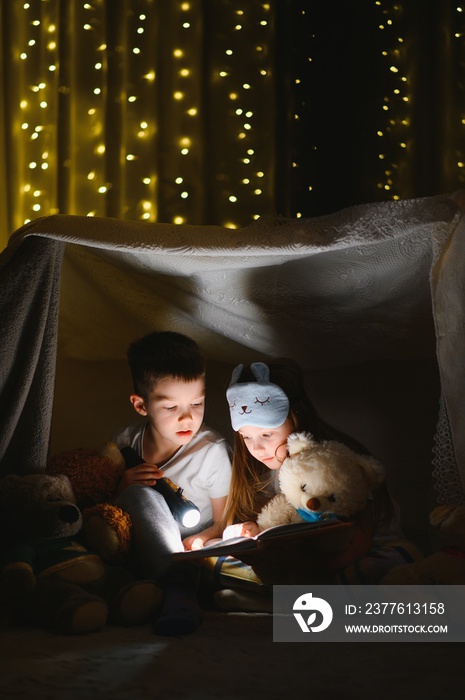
(259,403)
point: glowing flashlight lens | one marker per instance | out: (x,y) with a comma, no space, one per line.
(191,518)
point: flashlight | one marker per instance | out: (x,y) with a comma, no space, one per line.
(184,512)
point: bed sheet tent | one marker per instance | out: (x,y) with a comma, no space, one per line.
(369,300)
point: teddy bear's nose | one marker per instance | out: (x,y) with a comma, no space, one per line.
(69,513)
(313,504)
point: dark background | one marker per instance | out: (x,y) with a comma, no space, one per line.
(341,95)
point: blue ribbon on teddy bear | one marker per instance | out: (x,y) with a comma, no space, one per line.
(312,517)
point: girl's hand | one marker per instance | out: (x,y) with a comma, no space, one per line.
(142,474)
(193,542)
(211,533)
(248,529)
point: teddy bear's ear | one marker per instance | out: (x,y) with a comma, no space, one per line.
(447,514)
(112,452)
(298,442)
(372,470)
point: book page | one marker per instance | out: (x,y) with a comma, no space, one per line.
(235,545)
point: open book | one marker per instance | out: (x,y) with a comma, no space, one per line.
(238,545)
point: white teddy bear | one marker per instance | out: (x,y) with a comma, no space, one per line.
(320,480)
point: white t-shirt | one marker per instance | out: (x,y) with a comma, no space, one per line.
(202,467)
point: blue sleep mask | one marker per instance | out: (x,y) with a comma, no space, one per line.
(259,403)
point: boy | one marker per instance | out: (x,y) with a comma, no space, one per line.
(168,373)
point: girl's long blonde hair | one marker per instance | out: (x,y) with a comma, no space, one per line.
(248,491)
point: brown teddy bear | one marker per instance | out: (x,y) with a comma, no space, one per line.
(444,567)
(47,576)
(94,476)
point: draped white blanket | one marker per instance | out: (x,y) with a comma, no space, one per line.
(376,281)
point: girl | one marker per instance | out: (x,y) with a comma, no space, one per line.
(267,403)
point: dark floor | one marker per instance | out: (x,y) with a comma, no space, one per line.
(232,656)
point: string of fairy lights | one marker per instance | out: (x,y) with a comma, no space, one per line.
(459,46)
(306,141)
(115,124)
(161,147)
(34,128)
(394,130)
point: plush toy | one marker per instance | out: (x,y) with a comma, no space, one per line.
(48,576)
(94,476)
(320,481)
(444,567)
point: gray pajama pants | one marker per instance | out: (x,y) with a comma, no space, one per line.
(155,533)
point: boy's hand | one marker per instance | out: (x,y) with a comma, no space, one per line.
(142,474)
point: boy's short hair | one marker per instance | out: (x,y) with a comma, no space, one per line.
(163,354)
